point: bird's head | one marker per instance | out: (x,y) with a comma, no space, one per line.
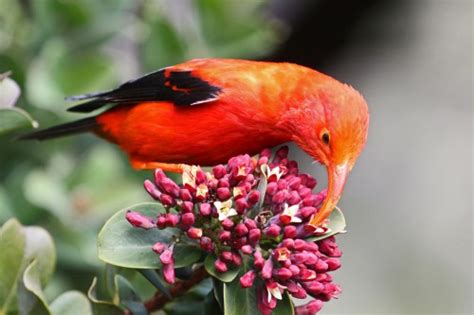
(332,128)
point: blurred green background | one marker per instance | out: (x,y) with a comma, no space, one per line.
(409,200)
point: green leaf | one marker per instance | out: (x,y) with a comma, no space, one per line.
(336,225)
(156,280)
(121,244)
(224,277)
(210,305)
(71,303)
(12,243)
(185,255)
(239,301)
(32,283)
(12,119)
(285,306)
(128,297)
(193,302)
(102,307)
(40,247)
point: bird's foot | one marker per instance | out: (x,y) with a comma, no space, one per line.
(168,167)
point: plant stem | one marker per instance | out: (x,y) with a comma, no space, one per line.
(159,300)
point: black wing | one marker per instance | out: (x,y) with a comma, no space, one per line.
(180,87)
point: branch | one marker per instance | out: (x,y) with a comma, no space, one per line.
(159,300)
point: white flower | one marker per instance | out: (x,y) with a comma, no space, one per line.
(274,289)
(189,175)
(289,214)
(267,172)
(224,208)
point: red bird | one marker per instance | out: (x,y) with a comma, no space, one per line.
(205,111)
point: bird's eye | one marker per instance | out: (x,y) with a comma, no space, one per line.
(325,137)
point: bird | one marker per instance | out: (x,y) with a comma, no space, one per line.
(204,111)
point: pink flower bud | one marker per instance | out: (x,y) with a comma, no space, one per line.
(299,258)
(329,247)
(288,243)
(167,200)
(296,291)
(166,256)
(283,273)
(168,273)
(311,182)
(333,263)
(266,153)
(250,224)
(224,236)
(172,219)
(205,209)
(161,221)
(194,233)
(170,187)
(310,201)
(206,244)
(158,247)
(306,212)
(311,260)
(246,249)
(200,177)
(309,309)
(280,196)
(139,221)
(159,176)
(223,193)
(227,224)
(306,274)
(226,256)
(262,160)
(273,230)
(267,269)
(152,190)
(185,195)
(220,266)
(219,171)
(300,245)
(295,270)
(282,184)
(241,205)
(331,290)
(187,219)
(293,198)
(289,231)
(187,206)
(253,197)
(246,281)
(241,230)
(311,247)
(254,235)
(258,260)
(236,259)
(294,183)
(272,188)
(282,152)
(304,192)
(321,266)
(223,182)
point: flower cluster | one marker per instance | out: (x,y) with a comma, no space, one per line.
(254,211)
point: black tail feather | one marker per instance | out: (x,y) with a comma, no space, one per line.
(70,128)
(87,107)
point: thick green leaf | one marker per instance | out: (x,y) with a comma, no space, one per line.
(40,247)
(239,301)
(12,243)
(210,305)
(284,307)
(128,297)
(102,307)
(224,277)
(156,280)
(14,118)
(71,303)
(32,283)
(186,255)
(336,225)
(121,244)
(193,302)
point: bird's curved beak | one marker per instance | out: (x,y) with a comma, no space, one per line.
(337,176)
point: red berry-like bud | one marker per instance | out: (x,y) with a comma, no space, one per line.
(161,222)
(304,192)
(241,205)
(220,266)
(187,206)
(167,200)
(241,230)
(227,224)
(223,193)
(333,264)
(300,245)
(311,308)
(139,221)
(250,224)
(289,231)
(311,182)
(310,201)
(224,182)
(206,244)
(168,273)
(205,209)
(296,291)
(254,235)
(172,219)
(266,153)
(158,247)
(224,236)
(288,243)
(170,187)
(307,274)
(200,177)
(226,256)
(283,273)
(280,196)
(295,270)
(194,233)
(273,230)
(253,197)
(219,171)
(293,198)
(272,188)
(258,260)
(236,259)
(159,176)
(185,195)
(166,256)
(306,212)
(294,183)
(247,249)
(321,266)
(246,281)
(187,219)
(329,247)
